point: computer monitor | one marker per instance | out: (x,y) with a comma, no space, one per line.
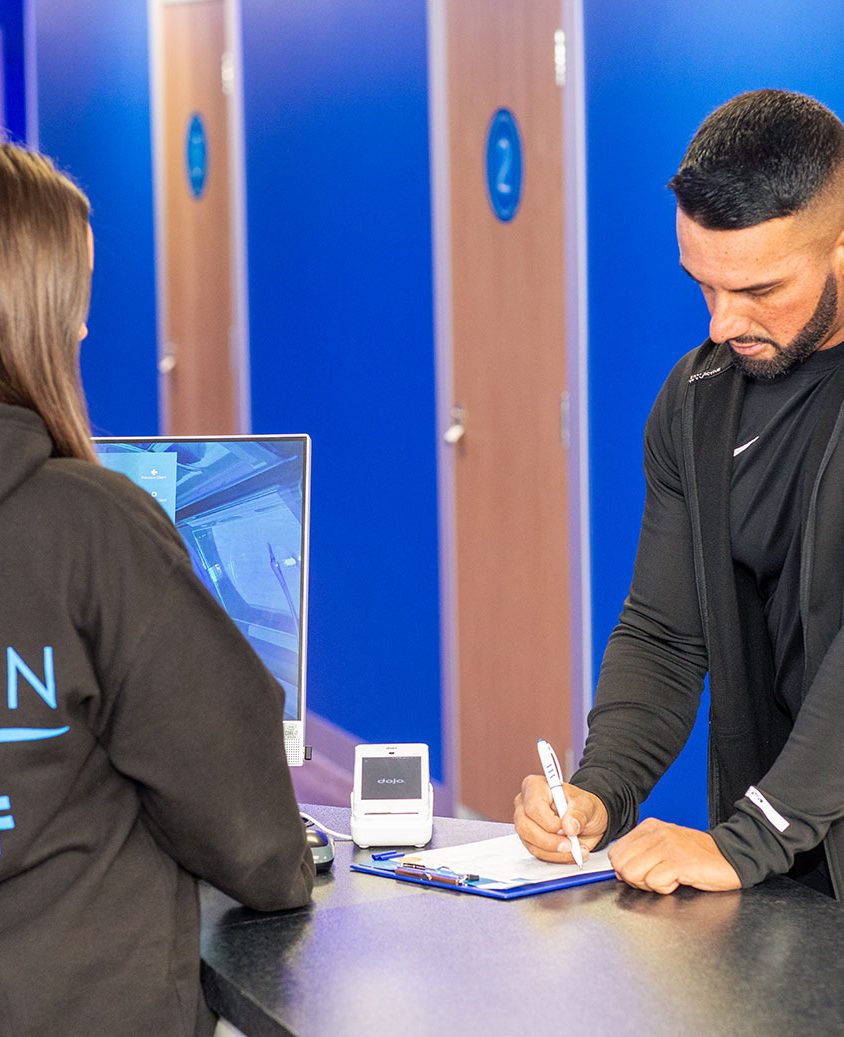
(241,505)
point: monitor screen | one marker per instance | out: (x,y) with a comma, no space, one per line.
(241,506)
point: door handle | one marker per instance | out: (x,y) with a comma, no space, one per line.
(166,363)
(457,429)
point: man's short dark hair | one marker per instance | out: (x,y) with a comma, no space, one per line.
(760,156)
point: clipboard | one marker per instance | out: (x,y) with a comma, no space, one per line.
(499,868)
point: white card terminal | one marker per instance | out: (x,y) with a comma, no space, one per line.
(392,798)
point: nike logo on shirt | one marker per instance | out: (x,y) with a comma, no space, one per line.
(740,449)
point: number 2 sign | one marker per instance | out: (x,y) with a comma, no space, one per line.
(504,164)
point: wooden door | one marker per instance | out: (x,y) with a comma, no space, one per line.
(510,468)
(199,363)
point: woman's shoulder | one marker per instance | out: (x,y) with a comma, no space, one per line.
(108,503)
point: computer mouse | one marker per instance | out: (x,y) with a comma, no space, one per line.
(322,847)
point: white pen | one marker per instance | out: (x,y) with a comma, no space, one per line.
(551,766)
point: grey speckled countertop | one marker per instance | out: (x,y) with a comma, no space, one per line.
(372,956)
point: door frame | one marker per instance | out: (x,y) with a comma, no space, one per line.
(239,347)
(30,74)
(575,294)
(2,80)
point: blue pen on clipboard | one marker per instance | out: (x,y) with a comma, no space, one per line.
(438,876)
(554,775)
(412,870)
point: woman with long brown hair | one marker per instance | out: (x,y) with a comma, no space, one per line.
(140,738)
(46,256)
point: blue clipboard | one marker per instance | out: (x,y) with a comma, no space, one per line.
(477,885)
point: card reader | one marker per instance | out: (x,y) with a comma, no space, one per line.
(392,798)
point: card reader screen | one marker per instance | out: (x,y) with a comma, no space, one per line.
(391,777)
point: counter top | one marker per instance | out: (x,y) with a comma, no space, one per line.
(372,955)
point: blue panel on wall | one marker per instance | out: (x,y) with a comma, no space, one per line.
(340,295)
(94,119)
(654,70)
(14,86)
(196,155)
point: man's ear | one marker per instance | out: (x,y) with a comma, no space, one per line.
(838,262)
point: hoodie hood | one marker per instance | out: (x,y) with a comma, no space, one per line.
(24,447)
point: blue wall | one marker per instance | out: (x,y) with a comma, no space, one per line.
(654,70)
(94,119)
(340,296)
(11,25)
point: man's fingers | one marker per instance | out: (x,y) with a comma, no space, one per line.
(575,821)
(553,848)
(660,857)
(537,803)
(535,837)
(637,853)
(538,825)
(586,816)
(662,878)
(647,871)
(552,856)
(544,833)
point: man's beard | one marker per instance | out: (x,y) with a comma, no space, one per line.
(804,343)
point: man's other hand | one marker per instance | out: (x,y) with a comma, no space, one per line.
(541,830)
(659,857)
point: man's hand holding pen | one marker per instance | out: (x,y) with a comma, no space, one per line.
(540,828)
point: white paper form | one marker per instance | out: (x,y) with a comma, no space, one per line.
(505,861)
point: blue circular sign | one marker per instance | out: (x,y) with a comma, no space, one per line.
(504,164)
(196,155)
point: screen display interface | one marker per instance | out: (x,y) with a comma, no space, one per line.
(238,506)
(391,777)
